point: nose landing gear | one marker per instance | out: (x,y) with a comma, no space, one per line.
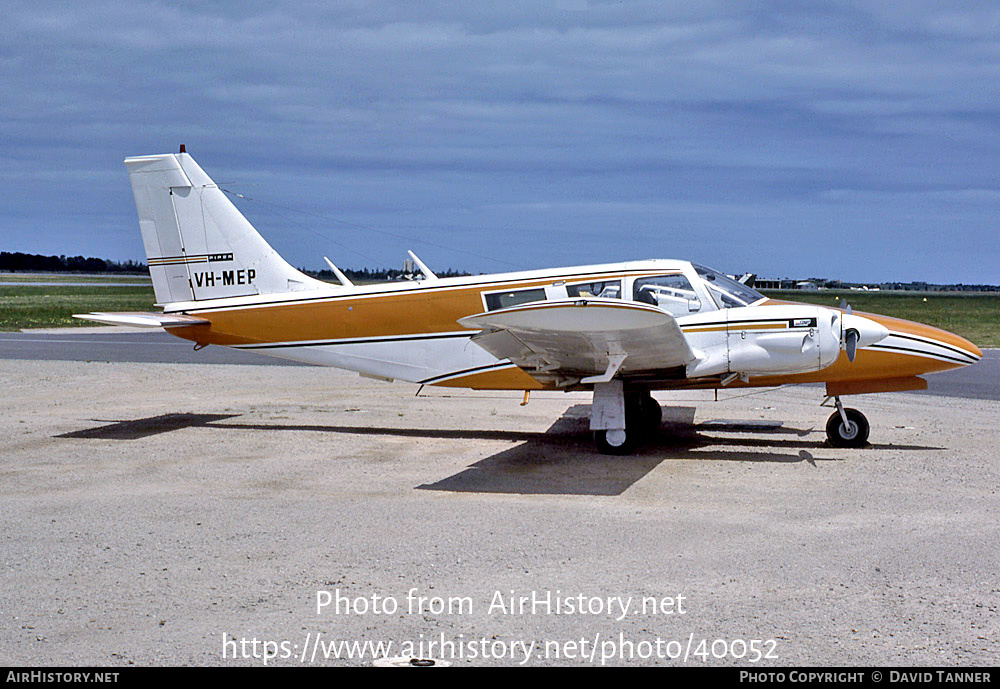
(847,427)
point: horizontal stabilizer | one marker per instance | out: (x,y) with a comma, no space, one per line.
(142,319)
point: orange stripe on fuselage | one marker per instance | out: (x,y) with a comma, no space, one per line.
(511,378)
(430,309)
(736,327)
(426,309)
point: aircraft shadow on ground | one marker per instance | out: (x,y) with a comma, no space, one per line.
(562,461)
(559,461)
(134,429)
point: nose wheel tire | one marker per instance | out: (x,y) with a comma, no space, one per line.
(852,434)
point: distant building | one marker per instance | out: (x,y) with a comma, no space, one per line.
(773,283)
(784,283)
(795,284)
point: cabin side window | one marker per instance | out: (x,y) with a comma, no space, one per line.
(508,298)
(672,293)
(605,289)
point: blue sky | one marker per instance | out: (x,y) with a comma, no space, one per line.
(858,140)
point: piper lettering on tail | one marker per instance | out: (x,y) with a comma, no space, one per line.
(621,330)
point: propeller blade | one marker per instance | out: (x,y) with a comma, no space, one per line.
(851,344)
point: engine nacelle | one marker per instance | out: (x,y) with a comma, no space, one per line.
(764,340)
(798,339)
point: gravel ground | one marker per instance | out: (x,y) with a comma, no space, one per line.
(151,512)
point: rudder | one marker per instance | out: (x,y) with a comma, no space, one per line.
(198,244)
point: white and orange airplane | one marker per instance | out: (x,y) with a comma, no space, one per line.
(621,330)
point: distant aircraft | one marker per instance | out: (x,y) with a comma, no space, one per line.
(621,330)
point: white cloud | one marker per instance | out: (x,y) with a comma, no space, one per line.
(427,115)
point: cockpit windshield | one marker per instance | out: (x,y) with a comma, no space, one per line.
(725,290)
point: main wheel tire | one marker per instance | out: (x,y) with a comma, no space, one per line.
(651,413)
(853,435)
(619,442)
(643,414)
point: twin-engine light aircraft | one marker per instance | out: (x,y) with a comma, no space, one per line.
(620,330)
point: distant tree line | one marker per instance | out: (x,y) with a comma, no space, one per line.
(15,261)
(930,287)
(824,283)
(377,274)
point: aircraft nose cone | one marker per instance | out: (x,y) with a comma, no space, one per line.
(960,343)
(961,349)
(919,339)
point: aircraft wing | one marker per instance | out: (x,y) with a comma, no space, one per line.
(587,339)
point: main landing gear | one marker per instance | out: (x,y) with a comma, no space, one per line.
(847,427)
(621,419)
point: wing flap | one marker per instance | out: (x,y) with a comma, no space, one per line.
(581,338)
(142,320)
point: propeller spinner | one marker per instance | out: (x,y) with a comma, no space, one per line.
(859,331)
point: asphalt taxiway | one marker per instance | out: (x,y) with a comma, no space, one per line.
(981,381)
(151,513)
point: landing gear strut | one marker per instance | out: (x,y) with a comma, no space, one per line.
(620,420)
(847,427)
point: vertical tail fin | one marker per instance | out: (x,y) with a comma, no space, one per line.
(198,244)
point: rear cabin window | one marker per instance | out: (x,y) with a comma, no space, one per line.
(607,289)
(503,300)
